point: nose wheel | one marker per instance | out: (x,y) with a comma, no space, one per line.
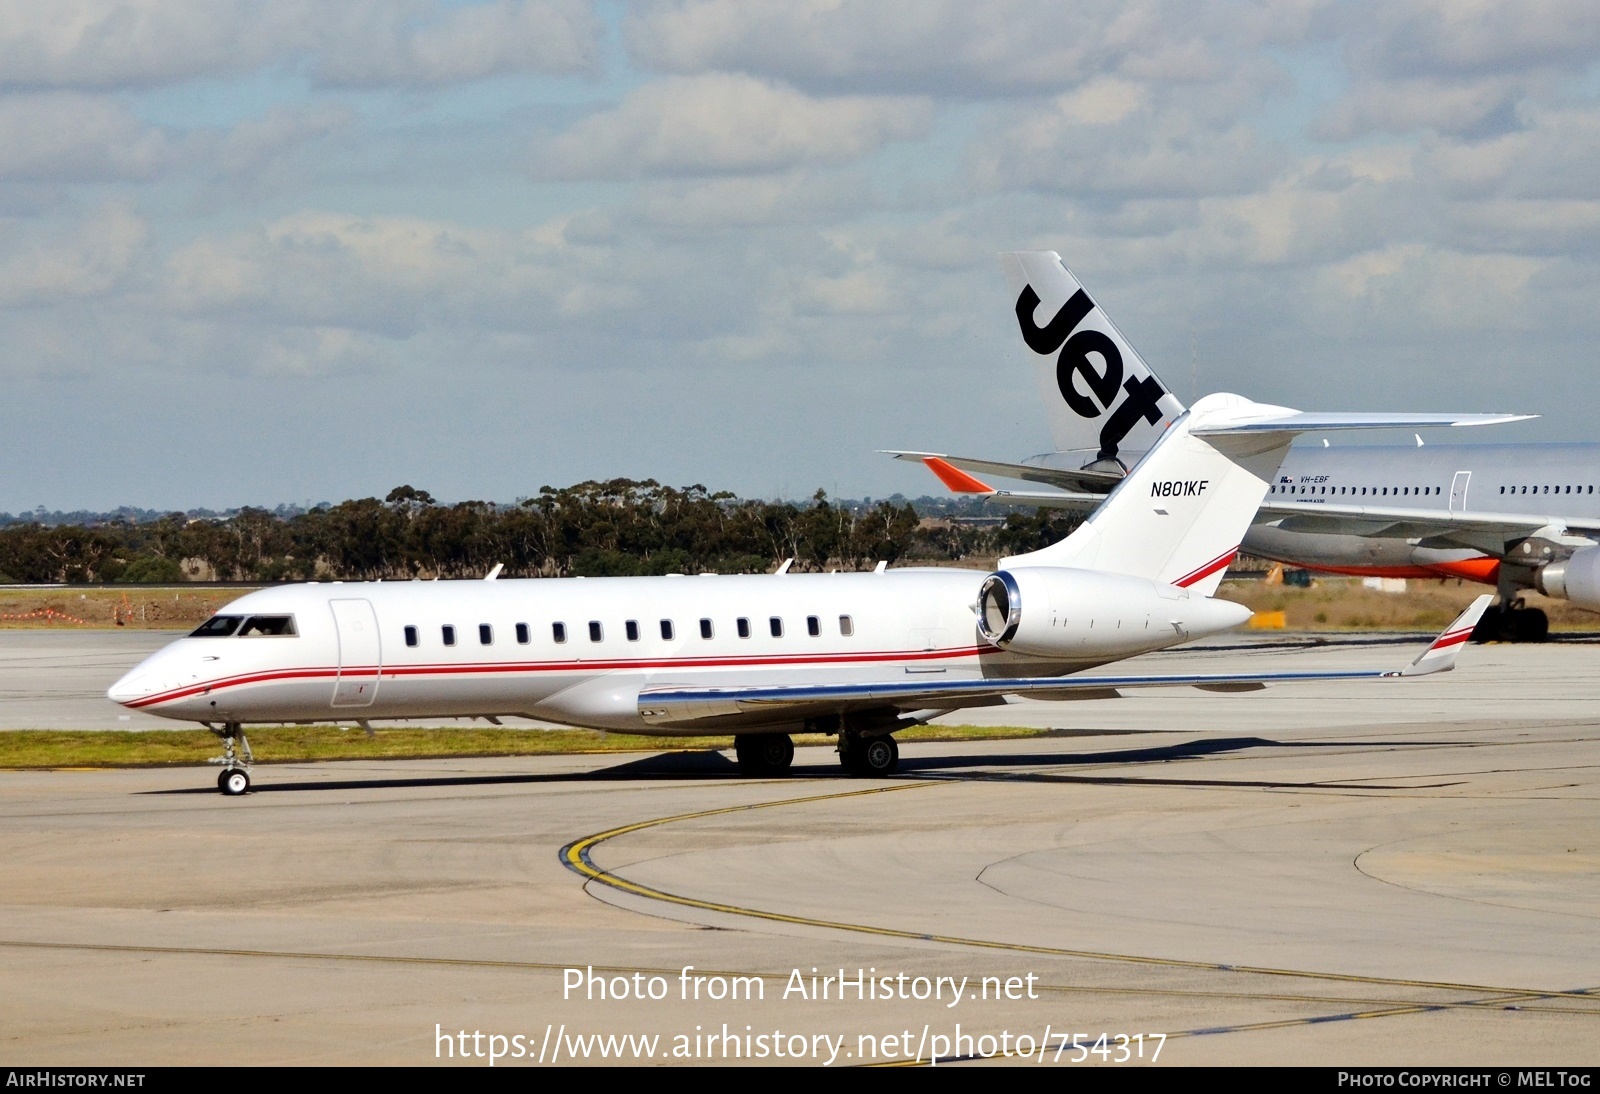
(236,760)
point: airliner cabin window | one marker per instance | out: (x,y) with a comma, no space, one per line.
(449,634)
(411,636)
(595,633)
(218,626)
(847,626)
(775,625)
(522,634)
(485,634)
(666,630)
(705,628)
(558,631)
(743,626)
(632,627)
(275,626)
(813,626)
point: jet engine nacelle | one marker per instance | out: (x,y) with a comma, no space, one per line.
(1576,578)
(1053,611)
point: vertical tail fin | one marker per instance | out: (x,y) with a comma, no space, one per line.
(1178,516)
(1103,402)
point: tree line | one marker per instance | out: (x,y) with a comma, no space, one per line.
(593,529)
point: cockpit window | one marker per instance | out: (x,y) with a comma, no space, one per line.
(218,626)
(273,625)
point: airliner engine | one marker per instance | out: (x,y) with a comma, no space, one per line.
(1056,612)
(1576,578)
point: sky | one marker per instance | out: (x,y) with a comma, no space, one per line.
(256,252)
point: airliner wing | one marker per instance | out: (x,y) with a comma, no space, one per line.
(1375,520)
(671,705)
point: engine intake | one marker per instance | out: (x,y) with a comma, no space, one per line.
(1068,614)
(1576,578)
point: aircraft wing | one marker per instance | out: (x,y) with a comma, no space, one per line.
(1397,521)
(669,704)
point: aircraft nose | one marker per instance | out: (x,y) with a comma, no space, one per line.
(132,687)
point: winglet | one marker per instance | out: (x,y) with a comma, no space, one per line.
(955,479)
(1441,656)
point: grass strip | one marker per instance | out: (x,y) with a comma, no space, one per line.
(48,748)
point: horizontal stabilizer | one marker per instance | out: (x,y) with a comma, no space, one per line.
(1084,479)
(1295,421)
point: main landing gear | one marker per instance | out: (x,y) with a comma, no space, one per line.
(234,778)
(868,757)
(763,753)
(1512,622)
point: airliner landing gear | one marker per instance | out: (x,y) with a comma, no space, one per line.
(763,753)
(1512,623)
(868,757)
(234,778)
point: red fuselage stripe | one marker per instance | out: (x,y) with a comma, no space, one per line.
(325,673)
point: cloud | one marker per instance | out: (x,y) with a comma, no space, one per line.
(48,263)
(947,48)
(1105,141)
(67,137)
(98,44)
(721,123)
(467,43)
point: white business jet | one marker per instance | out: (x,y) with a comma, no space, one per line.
(857,655)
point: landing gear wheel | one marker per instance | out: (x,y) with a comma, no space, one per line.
(1529,625)
(763,753)
(1512,623)
(879,756)
(234,782)
(867,757)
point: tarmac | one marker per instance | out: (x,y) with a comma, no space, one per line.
(1401,872)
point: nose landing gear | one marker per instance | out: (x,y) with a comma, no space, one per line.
(234,778)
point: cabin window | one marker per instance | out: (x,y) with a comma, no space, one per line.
(632,627)
(813,626)
(775,625)
(449,634)
(847,626)
(522,634)
(558,631)
(218,626)
(666,630)
(485,634)
(595,632)
(411,636)
(743,626)
(275,626)
(705,628)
